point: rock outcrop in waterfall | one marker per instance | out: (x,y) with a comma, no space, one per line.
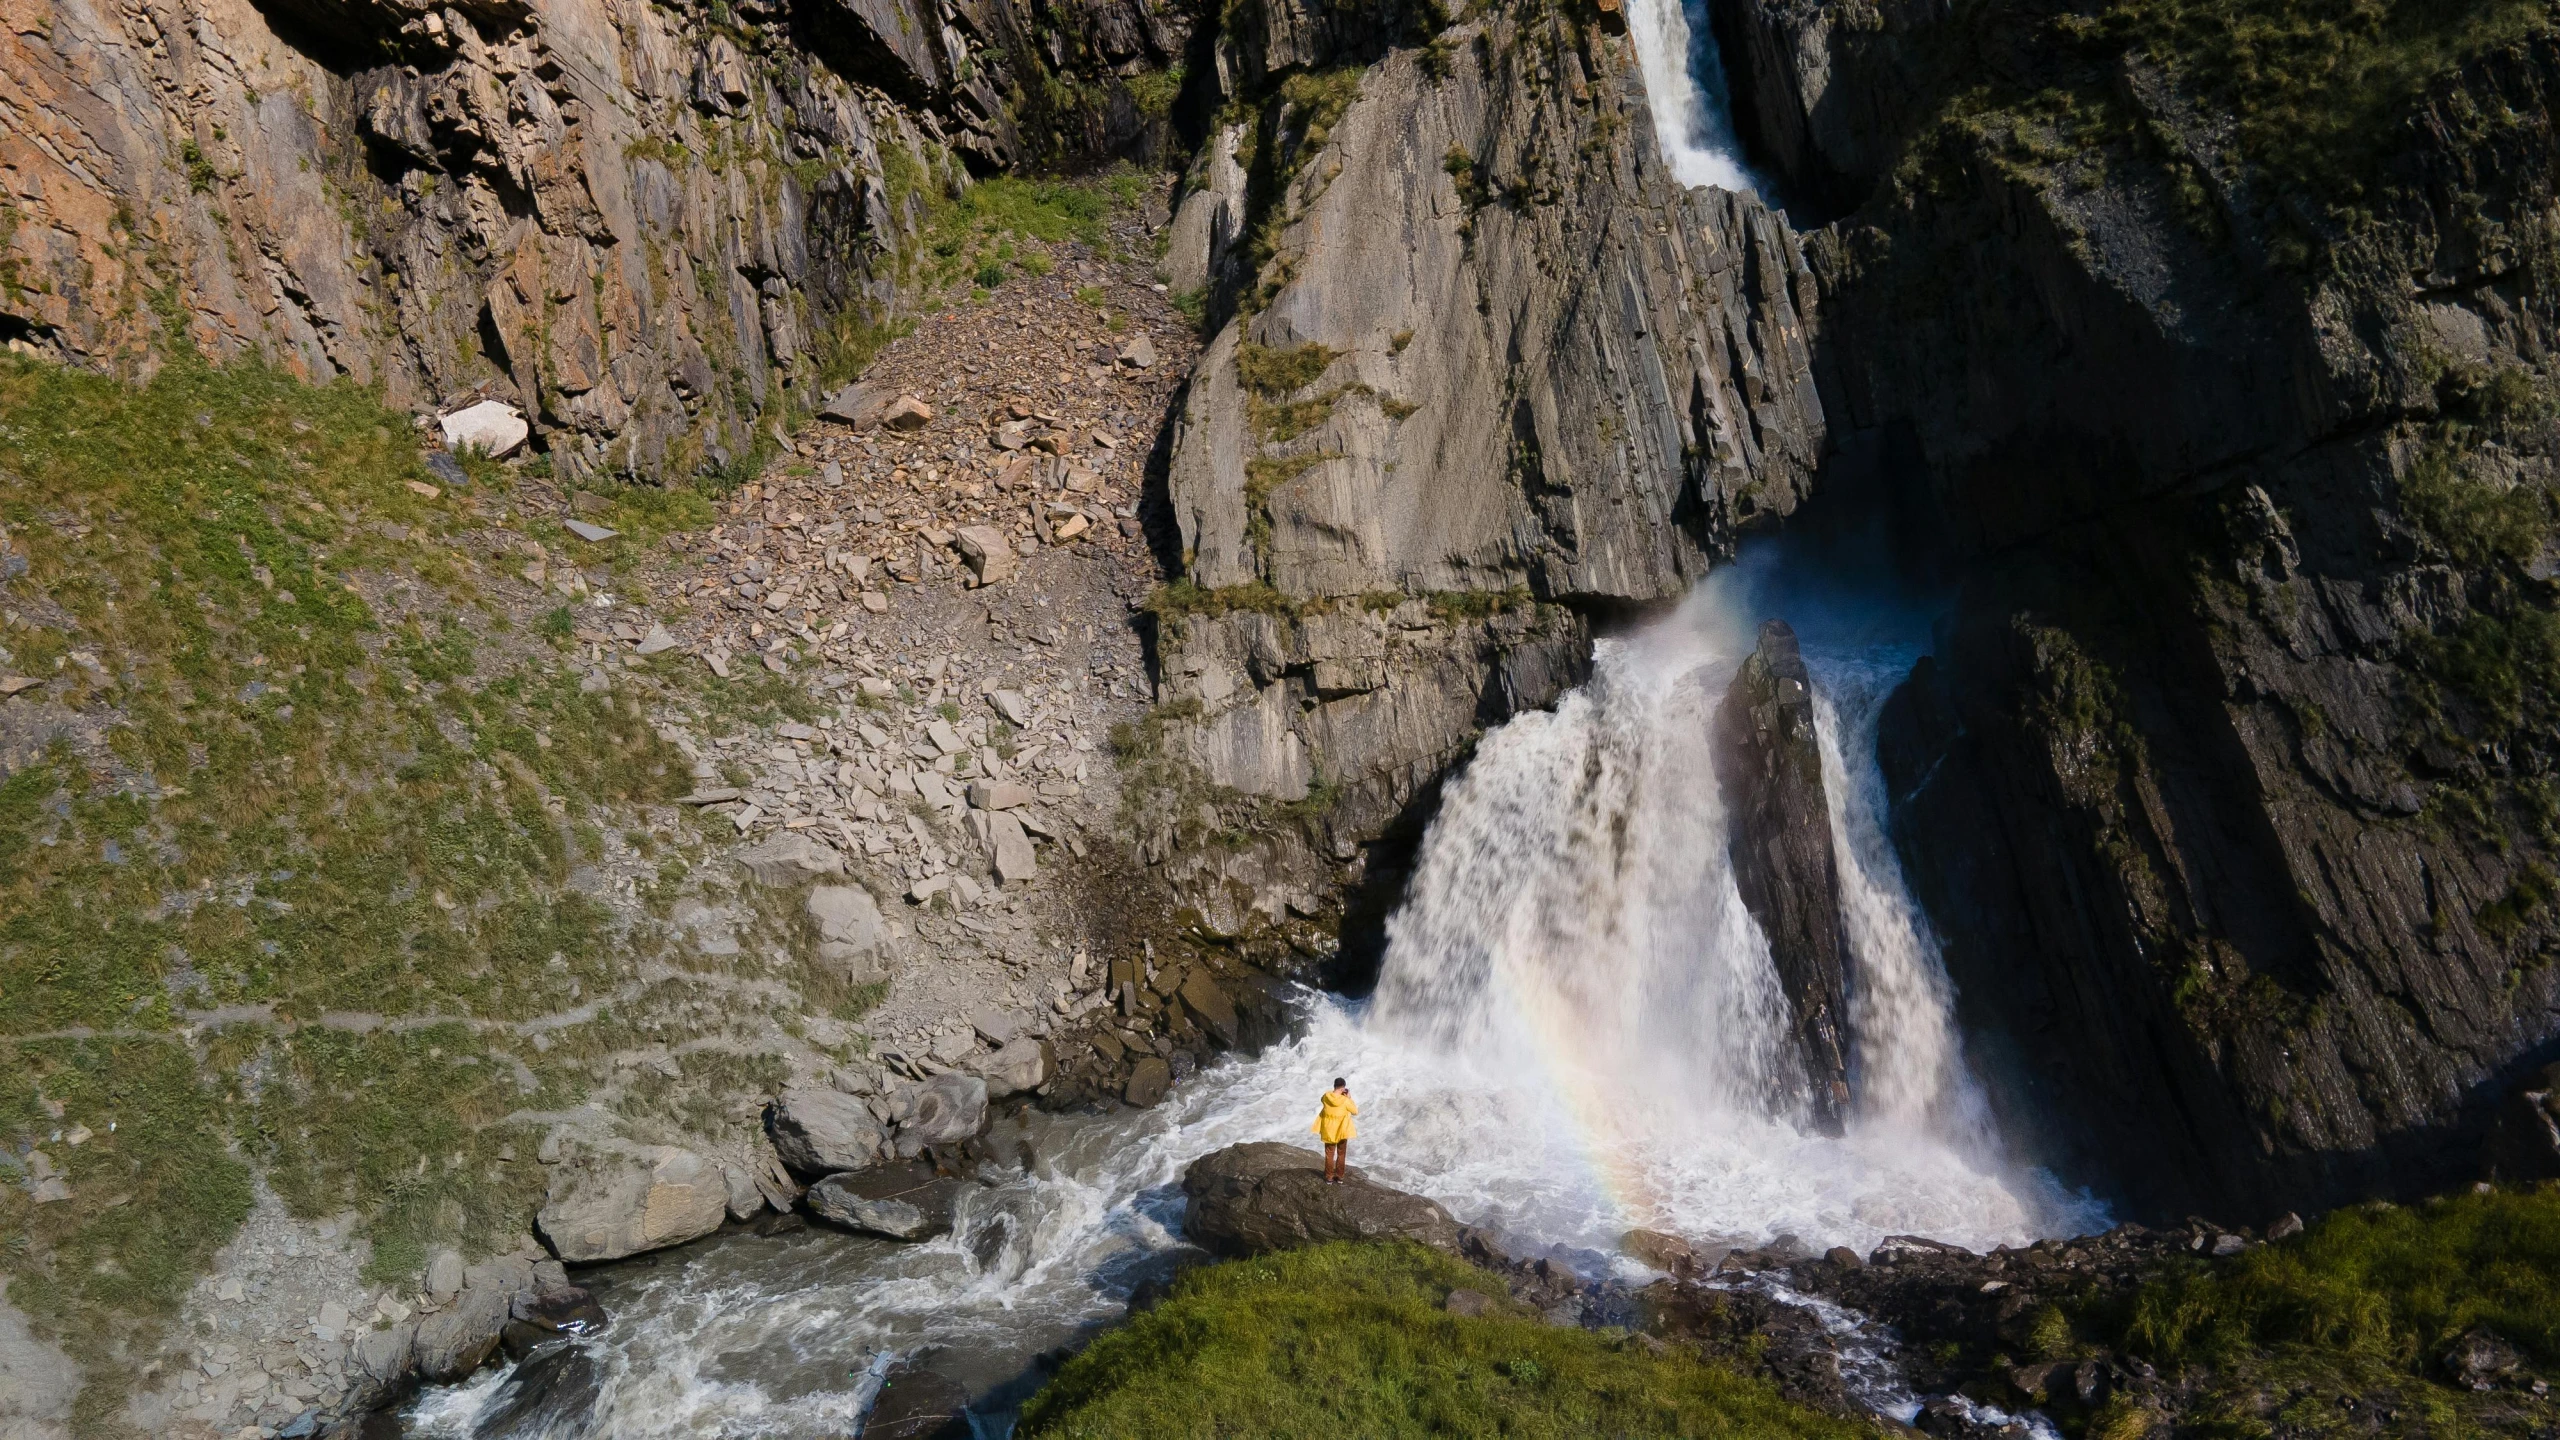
(1769,766)
(652,227)
(2229,787)
(1485,371)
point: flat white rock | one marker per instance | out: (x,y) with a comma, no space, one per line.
(492,427)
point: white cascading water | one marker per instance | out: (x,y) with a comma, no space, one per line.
(1683,82)
(1577,1031)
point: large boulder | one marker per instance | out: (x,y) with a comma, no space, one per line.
(492,427)
(819,1132)
(902,1200)
(1021,1064)
(1769,764)
(616,1198)
(1251,1199)
(859,406)
(944,1110)
(852,936)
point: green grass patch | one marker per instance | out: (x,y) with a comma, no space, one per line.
(307,766)
(1351,1340)
(1275,373)
(2393,1283)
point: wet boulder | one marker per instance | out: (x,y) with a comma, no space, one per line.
(1768,763)
(903,1200)
(918,1404)
(945,1110)
(1255,1198)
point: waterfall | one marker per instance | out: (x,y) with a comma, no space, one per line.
(1684,87)
(1575,958)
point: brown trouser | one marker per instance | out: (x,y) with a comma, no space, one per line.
(1337,1159)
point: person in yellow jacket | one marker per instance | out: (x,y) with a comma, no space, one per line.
(1333,1126)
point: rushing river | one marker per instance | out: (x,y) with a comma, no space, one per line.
(1577,1030)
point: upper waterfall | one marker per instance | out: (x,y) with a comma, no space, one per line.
(1684,86)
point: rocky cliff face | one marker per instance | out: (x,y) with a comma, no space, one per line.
(653,227)
(2243,451)
(1770,766)
(1481,354)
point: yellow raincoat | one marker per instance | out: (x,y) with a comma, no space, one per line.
(1333,1123)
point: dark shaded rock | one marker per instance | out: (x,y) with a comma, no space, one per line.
(903,1200)
(2162,787)
(1149,1079)
(917,1404)
(1750,1331)
(1769,765)
(2479,1359)
(550,1396)
(537,1318)
(1248,1199)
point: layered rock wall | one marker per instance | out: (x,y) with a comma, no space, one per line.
(645,224)
(1482,354)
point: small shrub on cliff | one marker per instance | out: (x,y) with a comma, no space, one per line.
(2394,1283)
(1276,373)
(1353,1340)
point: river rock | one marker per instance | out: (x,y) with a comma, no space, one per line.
(790,858)
(1769,763)
(944,1110)
(917,1404)
(1253,1198)
(552,1391)
(1149,1080)
(547,1313)
(615,1198)
(821,1131)
(902,1200)
(1021,1064)
(1210,1004)
(1660,1250)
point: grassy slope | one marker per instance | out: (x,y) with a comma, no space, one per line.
(303,762)
(2395,1283)
(1352,1340)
